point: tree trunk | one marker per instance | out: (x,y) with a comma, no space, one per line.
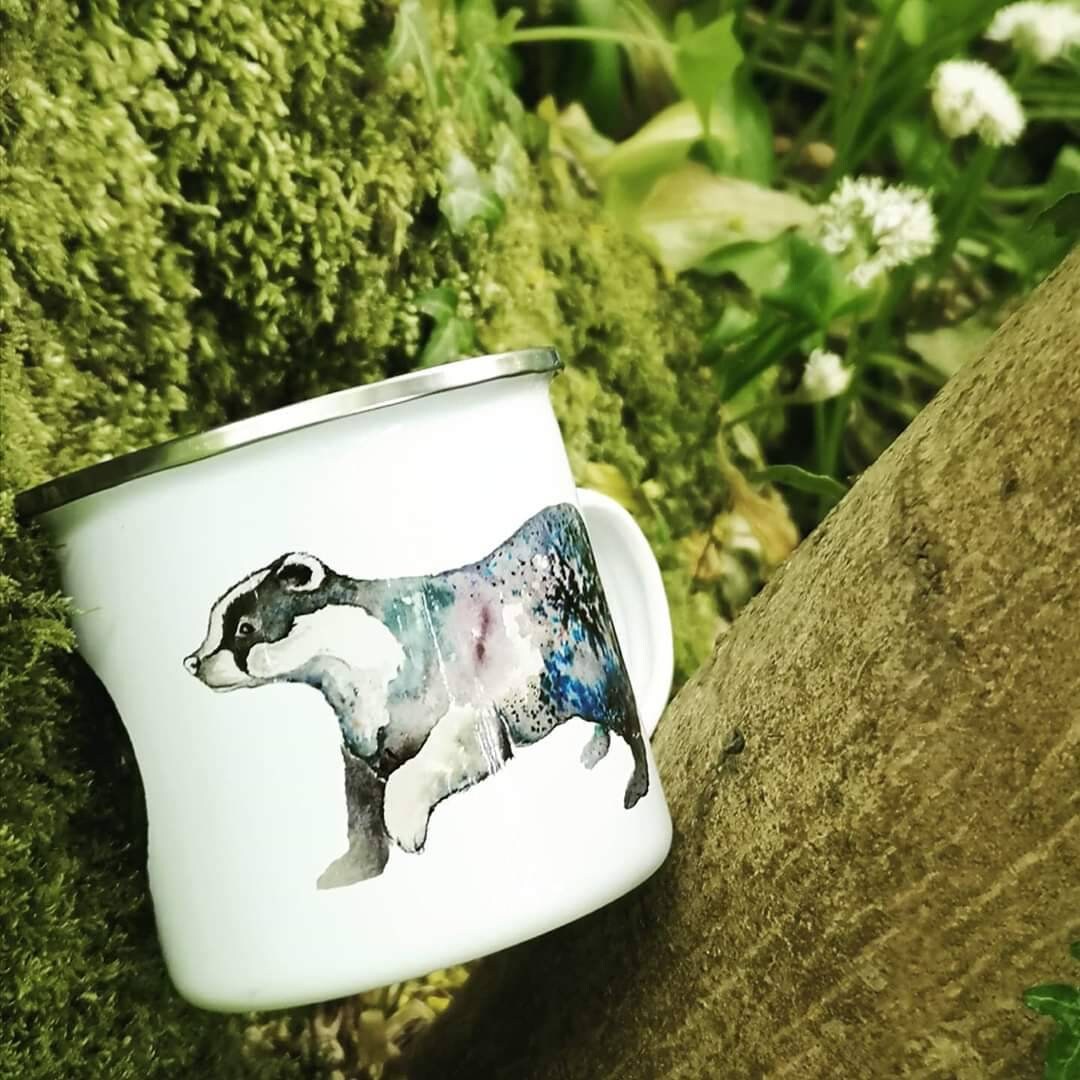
(868,887)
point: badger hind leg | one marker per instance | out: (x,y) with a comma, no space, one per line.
(596,748)
(369,845)
(638,784)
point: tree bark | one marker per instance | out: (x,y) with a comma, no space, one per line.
(868,887)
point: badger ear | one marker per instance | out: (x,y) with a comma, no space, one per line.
(299,572)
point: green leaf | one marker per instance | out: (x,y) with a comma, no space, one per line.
(815,289)
(1058,1000)
(691,213)
(509,163)
(1063,216)
(468,195)
(1059,208)
(663,143)
(744,145)
(571,135)
(452,336)
(949,348)
(410,43)
(1063,1056)
(440,303)
(732,325)
(912,22)
(1074,950)
(801,480)
(760,267)
(754,133)
(705,61)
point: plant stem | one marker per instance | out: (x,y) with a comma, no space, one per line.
(804,78)
(767,25)
(906,410)
(810,26)
(879,55)
(820,441)
(967,192)
(1054,114)
(841,68)
(772,21)
(836,420)
(897,364)
(778,402)
(771,345)
(585,33)
(1017,196)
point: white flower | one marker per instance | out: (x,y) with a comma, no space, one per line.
(882,227)
(825,376)
(1045,30)
(970,96)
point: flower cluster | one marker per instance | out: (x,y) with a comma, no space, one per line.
(971,97)
(1043,30)
(825,376)
(880,226)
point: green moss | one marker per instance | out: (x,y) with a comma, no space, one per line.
(208,209)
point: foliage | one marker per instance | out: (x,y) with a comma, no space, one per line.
(754,119)
(1061,1002)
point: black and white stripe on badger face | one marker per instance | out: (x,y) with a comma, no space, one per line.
(255,616)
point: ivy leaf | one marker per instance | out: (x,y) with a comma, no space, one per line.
(705,61)
(439,303)
(410,43)
(793,476)
(1061,1002)
(1058,1000)
(452,336)
(509,163)
(1063,1056)
(468,195)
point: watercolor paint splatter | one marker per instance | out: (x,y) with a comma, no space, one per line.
(434,680)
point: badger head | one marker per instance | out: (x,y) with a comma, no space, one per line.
(250,626)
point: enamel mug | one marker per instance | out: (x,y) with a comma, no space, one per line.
(388,676)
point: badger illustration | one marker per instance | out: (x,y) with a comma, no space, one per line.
(434,680)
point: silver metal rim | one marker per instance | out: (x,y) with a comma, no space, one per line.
(358,399)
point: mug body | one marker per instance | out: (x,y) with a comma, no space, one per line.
(373,691)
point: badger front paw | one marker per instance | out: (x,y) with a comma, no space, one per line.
(355,865)
(408,807)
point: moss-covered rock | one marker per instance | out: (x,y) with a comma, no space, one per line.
(208,209)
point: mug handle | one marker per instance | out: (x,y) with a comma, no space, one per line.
(635,594)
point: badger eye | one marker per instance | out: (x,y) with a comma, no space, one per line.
(245,627)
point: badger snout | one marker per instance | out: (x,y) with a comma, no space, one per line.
(217,669)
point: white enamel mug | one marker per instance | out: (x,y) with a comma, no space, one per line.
(375,692)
